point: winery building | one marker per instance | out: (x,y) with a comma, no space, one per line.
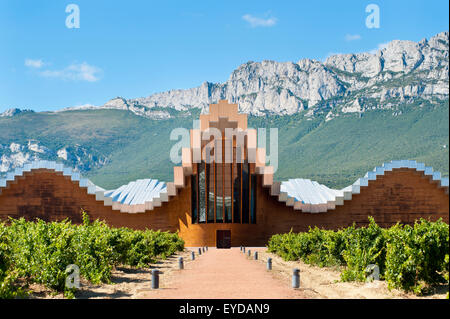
(224,194)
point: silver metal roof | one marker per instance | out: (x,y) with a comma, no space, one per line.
(137,192)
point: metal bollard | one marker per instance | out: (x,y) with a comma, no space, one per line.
(155,278)
(256,255)
(199,251)
(269,263)
(249,253)
(296,278)
(192,255)
(180,263)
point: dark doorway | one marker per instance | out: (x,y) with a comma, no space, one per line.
(223,239)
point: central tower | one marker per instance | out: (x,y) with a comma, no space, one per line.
(221,169)
(223,182)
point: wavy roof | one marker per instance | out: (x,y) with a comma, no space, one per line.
(303,194)
(312,197)
(135,197)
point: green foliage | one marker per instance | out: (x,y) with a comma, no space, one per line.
(94,254)
(40,252)
(289,246)
(417,256)
(364,246)
(409,258)
(139,248)
(7,278)
(317,246)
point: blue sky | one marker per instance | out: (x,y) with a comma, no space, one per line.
(136,48)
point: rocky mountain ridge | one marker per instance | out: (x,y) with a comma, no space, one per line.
(397,73)
(13,111)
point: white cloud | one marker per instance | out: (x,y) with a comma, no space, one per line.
(352,37)
(259,22)
(75,72)
(34,63)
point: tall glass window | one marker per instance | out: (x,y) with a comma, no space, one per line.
(194,198)
(245,193)
(210,190)
(224,192)
(253,200)
(227,192)
(219,192)
(202,192)
(237,192)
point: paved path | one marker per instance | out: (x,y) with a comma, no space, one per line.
(226,274)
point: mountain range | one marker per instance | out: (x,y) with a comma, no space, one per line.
(401,70)
(403,87)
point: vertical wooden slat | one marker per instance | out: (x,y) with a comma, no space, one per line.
(241,192)
(215,192)
(249,193)
(198,192)
(232,180)
(206,197)
(223,182)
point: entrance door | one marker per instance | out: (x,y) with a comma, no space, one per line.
(223,239)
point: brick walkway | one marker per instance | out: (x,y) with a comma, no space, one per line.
(224,274)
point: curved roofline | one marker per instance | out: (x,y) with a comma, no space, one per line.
(302,194)
(127,198)
(297,192)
